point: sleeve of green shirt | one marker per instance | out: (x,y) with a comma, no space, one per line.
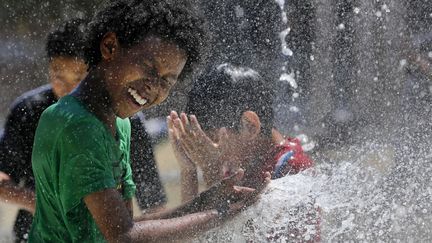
(85,165)
(128,183)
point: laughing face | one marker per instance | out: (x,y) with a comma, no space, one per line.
(142,76)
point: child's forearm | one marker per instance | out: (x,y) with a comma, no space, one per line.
(23,197)
(196,204)
(172,229)
(189,183)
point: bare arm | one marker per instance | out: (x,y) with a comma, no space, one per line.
(129,207)
(222,192)
(11,193)
(114,221)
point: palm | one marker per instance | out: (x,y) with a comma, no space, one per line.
(194,142)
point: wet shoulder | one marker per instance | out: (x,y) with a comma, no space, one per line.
(68,112)
(42,94)
(33,102)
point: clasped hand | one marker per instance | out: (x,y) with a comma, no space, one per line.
(194,148)
(192,143)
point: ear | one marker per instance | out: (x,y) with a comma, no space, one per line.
(109,46)
(250,125)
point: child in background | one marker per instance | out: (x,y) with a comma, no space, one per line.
(65,49)
(235,112)
(137,50)
(235,130)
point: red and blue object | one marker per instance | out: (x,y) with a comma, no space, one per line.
(289,158)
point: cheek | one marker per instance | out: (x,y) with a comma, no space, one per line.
(56,86)
(232,158)
(162,96)
(70,80)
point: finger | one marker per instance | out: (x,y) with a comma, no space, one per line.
(185,122)
(243,189)
(174,129)
(174,115)
(239,175)
(267,177)
(183,139)
(172,135)
(199,133)
(179,126)
(195,126)
(244,194)
(231,180)
(169,122)
(4,177)
(223,138)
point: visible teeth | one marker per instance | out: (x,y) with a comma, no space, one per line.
(138,98)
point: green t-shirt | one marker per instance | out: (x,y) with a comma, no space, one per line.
(74,155)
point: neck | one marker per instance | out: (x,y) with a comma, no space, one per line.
(92,93)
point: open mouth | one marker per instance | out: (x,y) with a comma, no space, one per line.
(138,98)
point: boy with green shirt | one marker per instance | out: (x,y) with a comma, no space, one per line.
(86,158)
(137,51)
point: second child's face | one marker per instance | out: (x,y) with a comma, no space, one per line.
(65,73)
(236,151)
(142,76)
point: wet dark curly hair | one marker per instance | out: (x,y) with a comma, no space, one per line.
(220,96)
(67,40)
(133,20)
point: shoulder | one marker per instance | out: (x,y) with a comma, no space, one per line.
(35,97)
(67,114)
(27,108)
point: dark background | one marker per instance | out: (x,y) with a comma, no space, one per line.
(348,59)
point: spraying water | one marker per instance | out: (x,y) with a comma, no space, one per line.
(362,196)
(376,188)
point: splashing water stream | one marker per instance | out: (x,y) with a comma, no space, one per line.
(378,189)
(364,197)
